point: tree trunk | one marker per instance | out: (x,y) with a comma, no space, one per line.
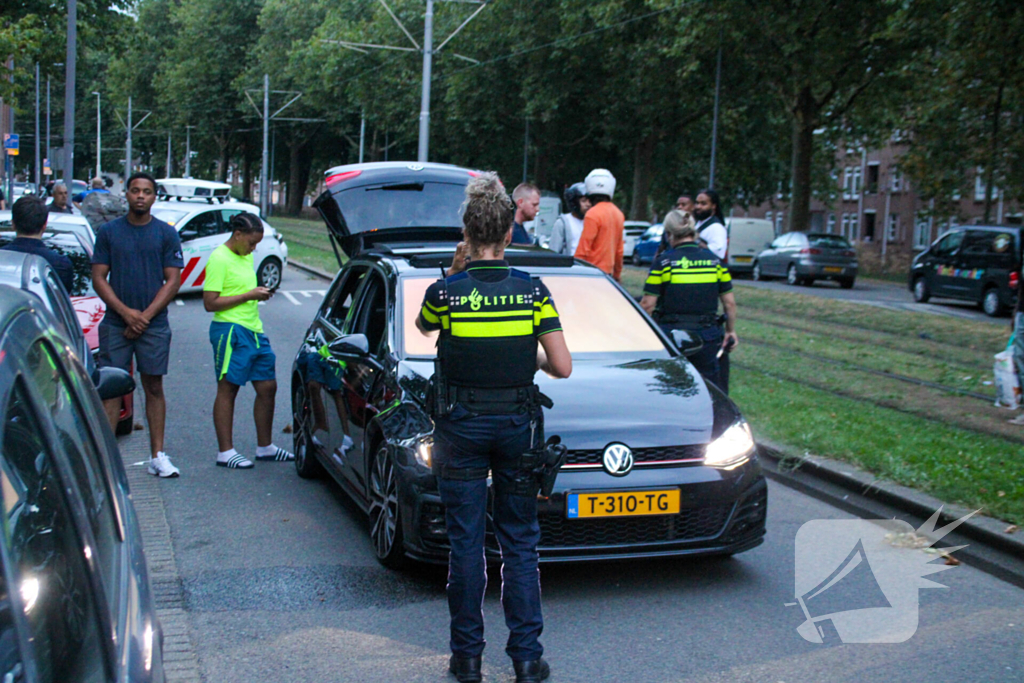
(990,172)
(224,143)
(247,171)
(299,164)
(805,118)
(642,157)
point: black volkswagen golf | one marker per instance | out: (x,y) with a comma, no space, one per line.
(660,462)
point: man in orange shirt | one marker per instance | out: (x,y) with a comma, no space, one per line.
(601,241)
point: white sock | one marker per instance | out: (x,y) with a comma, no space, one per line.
(266,450)
(224,456)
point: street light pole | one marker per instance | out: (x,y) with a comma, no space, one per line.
(188,151)
(362,135)
(266,135)
(428,55)
(714,121)
(69,96)
(39,166)
(48,157)
(128,145)
(99,130)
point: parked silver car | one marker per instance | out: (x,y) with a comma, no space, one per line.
(76,603)
(802,258)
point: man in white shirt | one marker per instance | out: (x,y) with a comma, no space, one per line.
(565,233)
(711,223)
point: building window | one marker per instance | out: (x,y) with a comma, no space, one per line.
(831,224)
(850,226)
(851,182)
(922,231)
(895,180)
(871,183)
(892,228)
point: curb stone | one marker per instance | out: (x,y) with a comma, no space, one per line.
(986,530)
(311,270)
(181,664)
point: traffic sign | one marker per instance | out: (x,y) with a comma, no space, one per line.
(11,144)
(46,167)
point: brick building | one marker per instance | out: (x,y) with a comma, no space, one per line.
(874,201)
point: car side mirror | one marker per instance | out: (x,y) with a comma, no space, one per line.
(112,382)
(188,234)
(688,343)
(767,245)
(350,345)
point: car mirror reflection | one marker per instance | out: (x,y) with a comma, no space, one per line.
(112,382)
(350,345)
(688,343)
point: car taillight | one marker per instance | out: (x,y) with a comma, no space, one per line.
(341,177)
(1014,279)
(812,252)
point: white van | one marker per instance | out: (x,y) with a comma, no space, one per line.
(748,237)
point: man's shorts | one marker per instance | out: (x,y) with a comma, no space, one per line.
(241,355)
(151,351)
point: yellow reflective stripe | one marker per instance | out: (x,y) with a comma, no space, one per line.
(694,279)
(492,314)
(445,322)
(507,328)
(724,275)
(547,311)
(429,317)
(435,309)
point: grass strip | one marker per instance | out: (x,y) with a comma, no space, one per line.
(954,465)
(876,357)
(922,401)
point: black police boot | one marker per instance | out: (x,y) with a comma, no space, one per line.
(466,669)
(533,671)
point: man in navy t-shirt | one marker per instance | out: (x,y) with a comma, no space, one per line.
(136,270)
(29,216)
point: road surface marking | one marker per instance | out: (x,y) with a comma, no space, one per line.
(291,298)
(179,302)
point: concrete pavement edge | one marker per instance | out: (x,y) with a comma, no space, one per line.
(311,270)
(181,663)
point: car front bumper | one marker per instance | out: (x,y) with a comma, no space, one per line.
(722,512)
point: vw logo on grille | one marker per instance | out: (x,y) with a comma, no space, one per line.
(618,459)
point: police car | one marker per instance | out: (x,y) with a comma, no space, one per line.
(660,462)
(201,210)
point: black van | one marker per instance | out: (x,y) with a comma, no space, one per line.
(973,262)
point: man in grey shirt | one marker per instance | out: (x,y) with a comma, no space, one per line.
(141,256)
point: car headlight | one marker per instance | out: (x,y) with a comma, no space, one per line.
(422,448)
(732,448)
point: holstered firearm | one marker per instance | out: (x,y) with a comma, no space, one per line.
(438,404)
(538,468)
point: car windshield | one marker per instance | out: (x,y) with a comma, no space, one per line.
(169,216)
(81,260)
(654,231)
(597,319)
(829,242)
(405,205)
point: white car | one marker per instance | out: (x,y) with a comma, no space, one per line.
(202,219)
(632,231)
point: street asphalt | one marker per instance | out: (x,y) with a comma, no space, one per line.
(280,582)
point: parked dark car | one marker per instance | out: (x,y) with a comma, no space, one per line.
(972,262)
(802,258)
(75,604)
(647,245)
(660,463)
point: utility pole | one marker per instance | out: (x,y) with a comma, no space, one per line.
(129,129)
(273,165)
(99,130)
(526,148)
(714,120)
(69,96)
(362,135)
(48,157)
(266,134)
(39,165)
(428,51)
(169,155)
(188,151)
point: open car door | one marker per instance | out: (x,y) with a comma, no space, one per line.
(392,205)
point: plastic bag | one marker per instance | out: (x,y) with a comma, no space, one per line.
(1007,384)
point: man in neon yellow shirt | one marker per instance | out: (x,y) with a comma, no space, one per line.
(241,352)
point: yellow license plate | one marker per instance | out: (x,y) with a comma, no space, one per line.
(833,269)
(742,259)
(622,504)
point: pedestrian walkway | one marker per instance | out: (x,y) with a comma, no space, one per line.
(181,665)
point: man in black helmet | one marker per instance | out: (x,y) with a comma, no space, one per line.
(565,233)
(491,319)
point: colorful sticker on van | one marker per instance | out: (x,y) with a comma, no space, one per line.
(949,271)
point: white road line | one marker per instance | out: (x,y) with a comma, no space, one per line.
(290,297)
(179,302)
(305,294)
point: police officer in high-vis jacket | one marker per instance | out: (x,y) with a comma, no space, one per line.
(487,414)
(683,290)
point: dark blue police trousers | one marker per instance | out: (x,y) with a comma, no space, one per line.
(706,360)
(467,440)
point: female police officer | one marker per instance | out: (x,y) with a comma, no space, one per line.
(683,289)
(490,319)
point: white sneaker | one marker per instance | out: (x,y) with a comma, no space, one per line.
(347,443)
(161,466)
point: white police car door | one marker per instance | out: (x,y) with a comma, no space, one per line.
(200,235)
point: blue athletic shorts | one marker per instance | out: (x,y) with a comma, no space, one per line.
(240,355)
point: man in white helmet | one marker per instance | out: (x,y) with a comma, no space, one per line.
(601,241)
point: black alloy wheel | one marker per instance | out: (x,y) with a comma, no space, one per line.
(921,291)
(756,273)
(306,463)
(636,258)
(846,283)
(385,524)
(269,273)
